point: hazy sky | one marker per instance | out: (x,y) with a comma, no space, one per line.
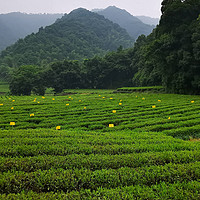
(135,7)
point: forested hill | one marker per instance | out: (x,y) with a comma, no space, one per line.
(171,54)
(17,25)
(78,35)
(133,25)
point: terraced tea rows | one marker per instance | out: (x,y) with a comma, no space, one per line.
(152,152)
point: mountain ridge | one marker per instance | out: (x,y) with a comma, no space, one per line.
(20,25)
(16,25)
(77,35)
(134,26)
(148,20)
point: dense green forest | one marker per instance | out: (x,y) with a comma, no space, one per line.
(169,56)
(78,35)
(134,26)
(111,71)
(17,25)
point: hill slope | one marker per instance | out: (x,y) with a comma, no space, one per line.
(18,25)
(149,20)
(77,35)
(133,25)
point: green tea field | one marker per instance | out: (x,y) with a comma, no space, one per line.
(96,144)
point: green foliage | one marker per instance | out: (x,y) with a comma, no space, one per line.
(144,62)
(64,75)
(75,36)
(141,89)
(170,55)
(112,71)
(132,24)
(4,87)
(27,79)
(4,72)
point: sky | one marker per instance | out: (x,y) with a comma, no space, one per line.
(149,8)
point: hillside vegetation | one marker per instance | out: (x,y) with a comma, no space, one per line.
(18,25)
(170,55)
(80,34)
(110,71)
(134,26)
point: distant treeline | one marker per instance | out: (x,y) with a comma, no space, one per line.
(111,71)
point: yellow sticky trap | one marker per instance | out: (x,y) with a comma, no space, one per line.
(57,127)
(32,115)
(154,106)
(192,101)
(114,111)
(120,104)
(111,125)
(67,104)
(12,123)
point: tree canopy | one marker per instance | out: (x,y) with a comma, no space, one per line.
(170,55)
(27,79)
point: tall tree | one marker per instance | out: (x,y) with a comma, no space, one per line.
(27,79)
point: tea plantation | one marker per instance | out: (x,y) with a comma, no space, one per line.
(96,144)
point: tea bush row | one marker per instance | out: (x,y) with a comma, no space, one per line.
(97,161)
(176,191)
(77,179)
